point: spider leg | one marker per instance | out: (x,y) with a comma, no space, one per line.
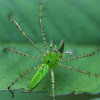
(21,76)
(27,37)
(78,70)
(51,43)
(53,84)
(41,26)
(23,54)
(82,56)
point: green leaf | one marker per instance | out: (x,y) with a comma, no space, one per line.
(73,21)
(66,81)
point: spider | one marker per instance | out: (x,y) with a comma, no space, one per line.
(51,59)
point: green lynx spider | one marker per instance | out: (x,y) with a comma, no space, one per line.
(50,59)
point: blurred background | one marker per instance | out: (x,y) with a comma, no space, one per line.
(75,21)
(72,20)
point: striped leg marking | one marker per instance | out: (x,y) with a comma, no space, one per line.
(87,55)
(51,43)
(41,27)
(53,83)
(27,37)
(24,54)
(80,71)
(21,76)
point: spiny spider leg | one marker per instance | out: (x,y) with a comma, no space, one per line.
(53,84)
(87,55)
(78,70)
(27,37)
(41,27)
(51,43)
(24,54)
(21,76)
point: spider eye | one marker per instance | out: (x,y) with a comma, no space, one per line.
(48,61)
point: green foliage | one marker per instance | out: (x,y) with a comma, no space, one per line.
(66,81)
(72,20)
